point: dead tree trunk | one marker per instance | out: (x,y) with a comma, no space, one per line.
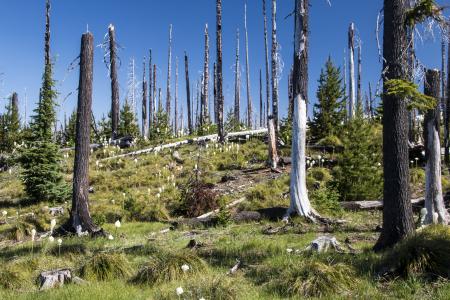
(237,83)
(434,201)
(397,210)
(188,93)
(351,86)
(371,113)
(154,94)
(176,98)
(275,68)
(150,93)
(144,105)
(290,95)
(160,105)
(169,73)
(359,103)
(266,53)
(47,33)
(80,218)
(299,194)
(215,93)
(261,110)
(114,82)
(205,90)
(447,113)
(220,99)
(247,71)
(273,156)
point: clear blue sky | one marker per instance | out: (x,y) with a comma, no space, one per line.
(141,25)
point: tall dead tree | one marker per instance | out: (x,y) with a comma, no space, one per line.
(447,110)
(351,65)
(169,73)
(188,93)
(237,83)
(247,72)
(266,58)
(154,94)
(397,210)
(115,106)
(205,90)
(298,191)
(434,200)
(215,93)
(144,104)
(80,218)
(220,99)
(261,110)
(359,99)
(176,98)
(275,69)
(150,92)
(290,95)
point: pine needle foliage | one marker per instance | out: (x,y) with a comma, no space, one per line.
(408,91)
(421,11)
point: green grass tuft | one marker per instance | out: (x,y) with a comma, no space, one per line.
(106,266)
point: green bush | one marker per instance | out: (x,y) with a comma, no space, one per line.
(326,200)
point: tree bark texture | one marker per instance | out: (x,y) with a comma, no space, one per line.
(266,53)
(351,87)
(237,83)
(434,200)
(144,105)
(169,73)
(397,210)
(275,68)
(247,72)
(114,82)
(188,93)
(220,99)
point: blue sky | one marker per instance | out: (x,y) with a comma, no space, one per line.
(143,25)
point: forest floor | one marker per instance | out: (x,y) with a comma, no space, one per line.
(145,257)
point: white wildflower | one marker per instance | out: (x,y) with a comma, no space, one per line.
(117,224)
(179,290)
(185,268)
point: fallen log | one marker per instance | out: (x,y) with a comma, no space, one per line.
(232,204)
(211,137)
(375,204)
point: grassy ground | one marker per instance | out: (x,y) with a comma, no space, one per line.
(144,261)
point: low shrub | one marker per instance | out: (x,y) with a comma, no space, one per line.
(106,266)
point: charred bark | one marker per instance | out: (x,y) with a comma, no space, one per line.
(220,99)
(237,83)
(397,210)
(188,93)
(266,58)
(169,73)
(114,82)
(80,218)
(144,104)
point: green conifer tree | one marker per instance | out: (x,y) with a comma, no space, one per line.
(161,130)
(10,131)
(128,124)
(329,112)
(359,174)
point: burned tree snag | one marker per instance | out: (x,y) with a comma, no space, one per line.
(205,87)
(237,83)
(188,93)
(114,82)
(434,200)
(215,92)
(247,72)
(275,68)
(144,105)
(176,98)
(298,191)
(150,92)
(80,218)
(351,86)
(266,58)
(169,73)
(261,110)
(220,99)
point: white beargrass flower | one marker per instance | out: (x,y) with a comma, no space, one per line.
(179,290)
(59,242)
(33,234)
(51,239)
(4,213)
(117,224)
(289,250)
(52,225)
(185,268)
(110,237)
(158,195)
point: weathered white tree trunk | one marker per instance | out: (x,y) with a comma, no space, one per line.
(434,201)
(176,98)
(275,68)
(272,142)
(299,194)
(352,90)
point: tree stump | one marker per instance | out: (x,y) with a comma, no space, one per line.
(54,278)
